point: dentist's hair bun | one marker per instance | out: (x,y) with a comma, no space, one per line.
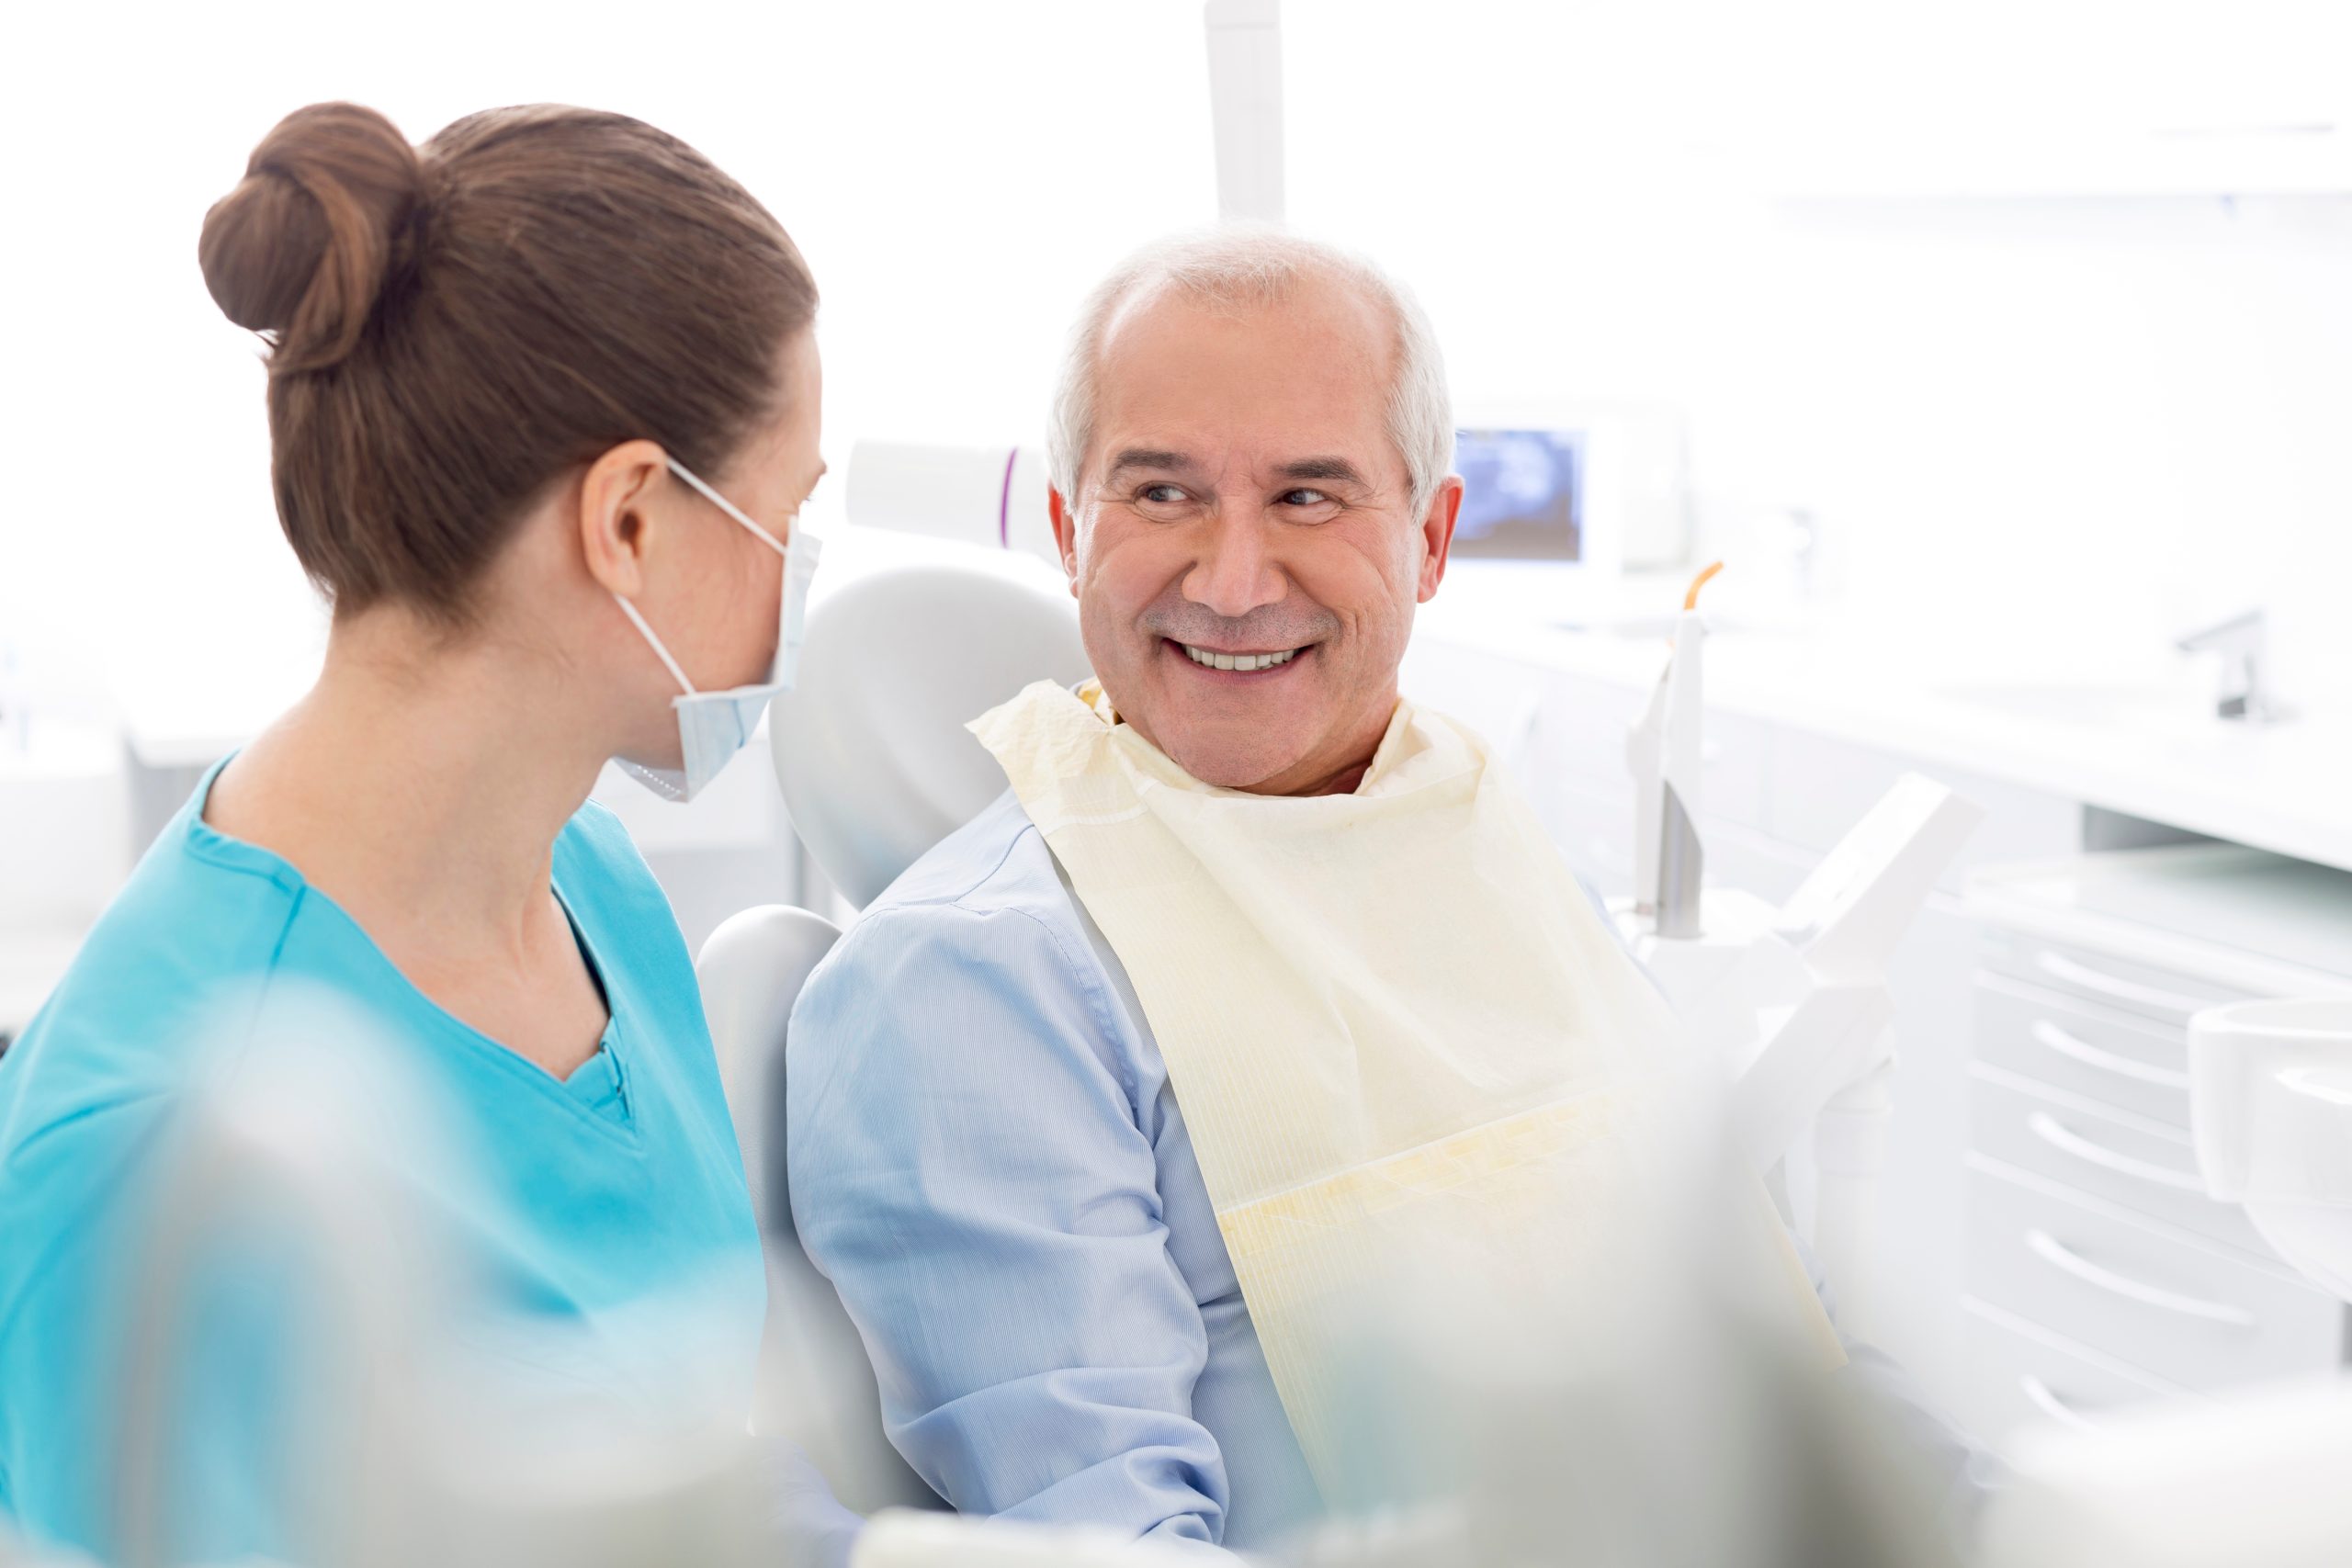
(457,326)
(302,249)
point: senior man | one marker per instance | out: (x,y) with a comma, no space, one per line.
(1106,1106)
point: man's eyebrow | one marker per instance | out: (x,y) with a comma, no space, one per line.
(1148,457)
(1330,469)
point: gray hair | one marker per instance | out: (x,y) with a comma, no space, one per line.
(1242,266)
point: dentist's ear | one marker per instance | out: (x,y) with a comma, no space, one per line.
(615,528)
(1064,535)
(1437,535)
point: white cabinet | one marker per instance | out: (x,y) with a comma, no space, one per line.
(2023,1375)
(2145,1293)
(2099,1150)
(2046,1252)
(2088,1222)
(2159,997)
(1921,1199)
(2104,1056)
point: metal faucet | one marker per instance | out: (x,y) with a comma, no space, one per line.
(2242,641)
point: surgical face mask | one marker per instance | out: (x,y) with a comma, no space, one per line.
(714,725)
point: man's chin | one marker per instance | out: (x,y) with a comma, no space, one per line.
(1228,753)
(1228,769)
(1229,739)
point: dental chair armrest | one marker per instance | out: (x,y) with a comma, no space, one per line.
(813,1529)
(751,971)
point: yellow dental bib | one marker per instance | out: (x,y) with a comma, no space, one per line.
(1397,1026)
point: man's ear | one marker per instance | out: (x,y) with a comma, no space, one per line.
(615,524)
(1064,535)
(1437,535)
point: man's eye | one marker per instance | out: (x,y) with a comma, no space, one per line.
(1163,494)
(1304,498)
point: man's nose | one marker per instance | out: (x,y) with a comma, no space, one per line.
(1236,572)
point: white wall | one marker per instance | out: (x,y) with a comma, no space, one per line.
(2126,412)
(956,173)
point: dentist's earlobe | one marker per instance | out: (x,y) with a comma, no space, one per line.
(611,516)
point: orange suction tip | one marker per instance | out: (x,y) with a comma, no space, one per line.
(1690,600)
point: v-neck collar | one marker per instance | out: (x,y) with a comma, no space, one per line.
(598,1089)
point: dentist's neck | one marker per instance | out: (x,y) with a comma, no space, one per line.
(422,782)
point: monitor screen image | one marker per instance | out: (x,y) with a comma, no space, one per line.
(1523,494)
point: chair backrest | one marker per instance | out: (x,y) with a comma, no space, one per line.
(816,1385)
(870,746)
(877,767)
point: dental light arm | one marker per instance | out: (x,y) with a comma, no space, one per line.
(993,497)
(1246,107)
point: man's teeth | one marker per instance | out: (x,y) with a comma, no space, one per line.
(1237,660)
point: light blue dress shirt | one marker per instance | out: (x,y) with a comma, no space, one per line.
(988,1161)
(590,1205)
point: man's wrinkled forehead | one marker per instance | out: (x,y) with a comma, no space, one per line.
(1170,354)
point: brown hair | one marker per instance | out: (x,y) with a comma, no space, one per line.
(453,327)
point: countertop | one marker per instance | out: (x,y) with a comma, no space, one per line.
(2259,923)
(2137,737)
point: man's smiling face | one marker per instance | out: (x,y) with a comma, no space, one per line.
(1243,543)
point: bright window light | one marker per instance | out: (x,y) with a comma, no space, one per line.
(957,175)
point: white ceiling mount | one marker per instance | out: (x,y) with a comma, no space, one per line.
(1246,107)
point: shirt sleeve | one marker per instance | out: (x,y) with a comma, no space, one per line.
(968,1169)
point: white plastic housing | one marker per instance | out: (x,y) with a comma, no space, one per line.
(2270,1104)
(989,496)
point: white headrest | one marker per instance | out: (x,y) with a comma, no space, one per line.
(870,745)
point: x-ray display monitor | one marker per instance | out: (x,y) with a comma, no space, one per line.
(1523,495)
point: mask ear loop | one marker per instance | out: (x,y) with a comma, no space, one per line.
(725,505)
(655,643)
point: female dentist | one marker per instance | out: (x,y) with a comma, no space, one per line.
(543,404)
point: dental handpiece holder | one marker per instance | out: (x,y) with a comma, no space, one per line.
(1792,1001)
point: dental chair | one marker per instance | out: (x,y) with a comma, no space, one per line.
(876,767)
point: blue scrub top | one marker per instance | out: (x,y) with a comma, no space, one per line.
(606,1210)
